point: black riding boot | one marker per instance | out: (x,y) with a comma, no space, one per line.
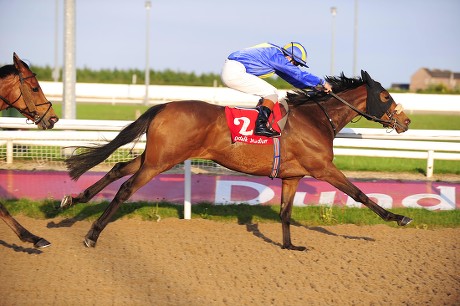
(261,128)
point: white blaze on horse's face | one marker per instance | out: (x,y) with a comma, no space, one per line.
(399,108)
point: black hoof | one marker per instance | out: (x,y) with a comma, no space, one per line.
(89,243)
(66,202)
(404,221)
(294,248)
(42,243)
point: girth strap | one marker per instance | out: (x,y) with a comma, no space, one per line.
(276,158)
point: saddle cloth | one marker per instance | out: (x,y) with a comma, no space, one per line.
(241,122)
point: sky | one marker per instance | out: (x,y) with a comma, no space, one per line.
(395,37)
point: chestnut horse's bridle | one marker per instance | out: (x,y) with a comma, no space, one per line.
(30,111)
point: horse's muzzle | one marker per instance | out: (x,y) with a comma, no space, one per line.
(402,127)
(47,124)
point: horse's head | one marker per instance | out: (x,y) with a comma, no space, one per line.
(29,97)
(381,105)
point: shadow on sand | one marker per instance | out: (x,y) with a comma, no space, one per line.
(245,214)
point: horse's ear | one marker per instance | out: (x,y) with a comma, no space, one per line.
(17,61)
(366,77)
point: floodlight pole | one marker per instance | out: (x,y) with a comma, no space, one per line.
(334,13)
(69,76)
(148,5)
(56,34)
(355,41)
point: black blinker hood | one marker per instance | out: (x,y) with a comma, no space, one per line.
(374,106)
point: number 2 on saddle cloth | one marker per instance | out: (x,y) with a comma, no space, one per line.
(241,122)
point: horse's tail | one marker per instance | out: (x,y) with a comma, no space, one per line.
(92,156)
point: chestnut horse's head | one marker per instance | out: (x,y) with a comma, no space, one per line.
(381,105)
(20,89)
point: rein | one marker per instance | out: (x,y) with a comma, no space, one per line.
(334,128)
(30,110)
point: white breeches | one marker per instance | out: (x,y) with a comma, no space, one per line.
(234,75)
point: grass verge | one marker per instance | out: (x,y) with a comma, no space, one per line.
(242,213)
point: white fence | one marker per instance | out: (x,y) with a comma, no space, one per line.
(125,93)
(414,144)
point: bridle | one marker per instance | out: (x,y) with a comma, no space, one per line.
(30,111)
(390,124)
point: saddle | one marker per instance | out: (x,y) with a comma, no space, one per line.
(241,122)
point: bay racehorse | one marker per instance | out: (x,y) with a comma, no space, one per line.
(177,131)
(19,88)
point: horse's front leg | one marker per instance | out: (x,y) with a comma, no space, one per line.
(20,231)
(118,171)
(337,179)
(289,187)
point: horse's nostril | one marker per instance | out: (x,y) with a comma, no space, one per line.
(51,122)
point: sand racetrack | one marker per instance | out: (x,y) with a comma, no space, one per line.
(201,262)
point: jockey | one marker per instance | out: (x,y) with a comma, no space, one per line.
(244,70)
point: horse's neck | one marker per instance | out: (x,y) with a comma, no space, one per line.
(345,114)
(341,114)
(3,105)
(6,92)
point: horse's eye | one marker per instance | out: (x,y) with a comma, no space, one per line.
(385,96)
(35,89)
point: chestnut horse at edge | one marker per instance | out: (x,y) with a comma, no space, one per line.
(19,88)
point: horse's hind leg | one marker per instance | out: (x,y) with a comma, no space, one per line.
(289,187)
(20,231)
(142,177)
(118,171)
(336,178)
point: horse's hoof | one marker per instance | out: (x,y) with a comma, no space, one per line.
(89,243)
(42,243)
(404,221)
(294,248)
(66,202)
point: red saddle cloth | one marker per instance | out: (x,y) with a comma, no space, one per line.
(241,122)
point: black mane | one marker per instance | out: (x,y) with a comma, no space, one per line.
(339,84)
(7,70)
(10,69)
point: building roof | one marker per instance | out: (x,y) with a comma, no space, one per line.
(443,74)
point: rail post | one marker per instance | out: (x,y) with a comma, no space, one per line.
(430,163)
(9,151)
(188,189)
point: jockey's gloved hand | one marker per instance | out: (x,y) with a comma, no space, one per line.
(327,87)
(318,87)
